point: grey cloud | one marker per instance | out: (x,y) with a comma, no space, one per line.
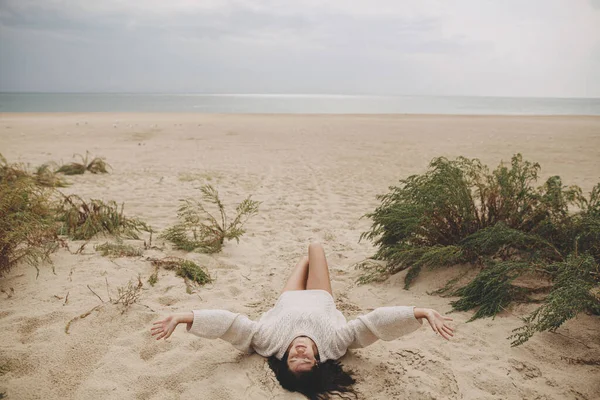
(393,33)
(238,23)
(44,18)
(243,48)
(338,32)
(215,22)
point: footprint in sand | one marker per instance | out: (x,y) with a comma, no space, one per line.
(158,387)
(152,348)
(234,290)
(435,372)
(16,365)
(30,325)
(525,369)
(167,300)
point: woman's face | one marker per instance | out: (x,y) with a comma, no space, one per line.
(302,354)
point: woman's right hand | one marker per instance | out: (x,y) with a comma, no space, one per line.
(439,323)
(165,327)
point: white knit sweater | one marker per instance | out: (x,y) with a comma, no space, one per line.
(310,313)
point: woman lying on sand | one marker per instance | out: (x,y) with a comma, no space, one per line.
(304,334)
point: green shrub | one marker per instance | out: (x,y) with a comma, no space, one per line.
(199,230)
(96,166)
(459,212)
(27,225)
(45,176)
(81,220)
(11,172)
(71,169)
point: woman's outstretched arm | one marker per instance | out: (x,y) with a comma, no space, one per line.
(389,323)
(236,329)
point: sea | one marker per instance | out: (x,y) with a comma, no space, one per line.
(295,104)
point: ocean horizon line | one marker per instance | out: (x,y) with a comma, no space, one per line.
(331,95)
(293,103)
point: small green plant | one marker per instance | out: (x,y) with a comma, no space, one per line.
(191,272)
(459,212)
(202,176)
(10,172)
(127,295)
(118,249)
(45,176)
(199,230)
(96,166)
(153,279)
(81,220)
(71,169)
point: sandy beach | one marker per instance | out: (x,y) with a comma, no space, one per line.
(315,176)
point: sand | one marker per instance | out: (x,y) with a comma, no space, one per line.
(315,176)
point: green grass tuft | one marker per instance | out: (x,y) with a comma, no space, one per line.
(45,176)
(199,230)
(96,166)
(11,172)
(191,272)
(81,220)
(27,225)
(153,279)
(118,250)
(128,295)
(71,169)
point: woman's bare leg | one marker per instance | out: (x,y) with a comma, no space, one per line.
(318,271)
(297,280)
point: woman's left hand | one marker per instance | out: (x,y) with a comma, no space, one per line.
(164,328)
(439,324)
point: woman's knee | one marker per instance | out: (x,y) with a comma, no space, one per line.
(315,246)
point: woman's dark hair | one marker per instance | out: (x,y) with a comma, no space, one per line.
(323,380)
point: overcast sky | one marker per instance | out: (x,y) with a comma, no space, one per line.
(467,47)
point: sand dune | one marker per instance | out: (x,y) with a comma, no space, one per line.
(315,176)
